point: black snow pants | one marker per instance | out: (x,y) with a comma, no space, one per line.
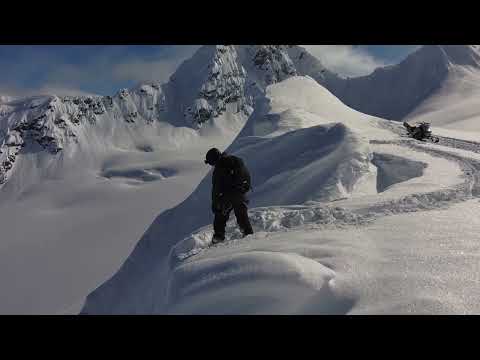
(238,203)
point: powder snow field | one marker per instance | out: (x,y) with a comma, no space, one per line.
(349,217)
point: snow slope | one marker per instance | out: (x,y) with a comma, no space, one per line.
(82,177)
(323,176)
(436,83)
(455,106)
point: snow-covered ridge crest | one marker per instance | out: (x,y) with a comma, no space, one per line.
(55,122)
(393,92)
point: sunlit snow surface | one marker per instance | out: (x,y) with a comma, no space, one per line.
(349,217)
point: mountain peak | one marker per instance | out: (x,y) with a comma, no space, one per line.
(392,92)
(221,76)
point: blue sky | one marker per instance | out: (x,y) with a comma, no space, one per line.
(104,69)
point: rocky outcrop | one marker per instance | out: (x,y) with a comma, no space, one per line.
(9,150)
(226,74)
(54,122)
(274,61)
(204,86)
(224,83)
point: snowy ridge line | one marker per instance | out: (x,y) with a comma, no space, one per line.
(275,219)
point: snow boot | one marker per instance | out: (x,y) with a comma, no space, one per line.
(246,233)
(217,239)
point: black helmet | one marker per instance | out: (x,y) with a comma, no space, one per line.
(212,156)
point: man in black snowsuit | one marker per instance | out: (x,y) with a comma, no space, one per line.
(231,181)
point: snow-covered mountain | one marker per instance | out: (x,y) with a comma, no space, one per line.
(221,80)
(435,78)
(454,103)
(218,81)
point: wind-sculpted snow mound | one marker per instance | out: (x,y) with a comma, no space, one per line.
(320,163)
(393,169)
(277,283)
(300,102)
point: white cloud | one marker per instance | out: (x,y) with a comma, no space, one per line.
(140,70)
(346,60)
(47,89)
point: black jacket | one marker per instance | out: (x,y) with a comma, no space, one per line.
(229,178)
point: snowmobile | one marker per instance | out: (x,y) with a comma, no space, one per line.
(421,132)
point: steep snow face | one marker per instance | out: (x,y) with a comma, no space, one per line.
(434,77)
(393,92)
(302,95)
(455,105)
(292,161)
(203,86)
(308,65)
